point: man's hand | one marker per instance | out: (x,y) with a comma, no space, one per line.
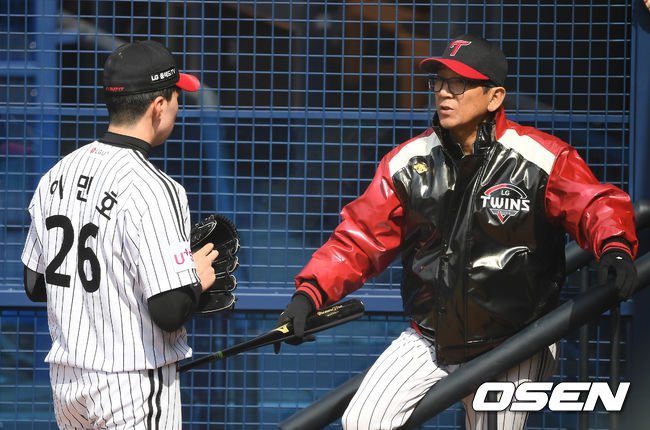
(620,263)
(296,312)
(203,259)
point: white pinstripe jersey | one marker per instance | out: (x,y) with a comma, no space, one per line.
(109,230)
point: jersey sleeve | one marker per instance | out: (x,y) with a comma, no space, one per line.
(32,256)
(365,242)
(590,211)
(165,259)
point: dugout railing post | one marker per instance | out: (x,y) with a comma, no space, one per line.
(583,373)
(570,315)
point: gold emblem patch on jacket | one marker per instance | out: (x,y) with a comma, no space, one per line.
(421,168)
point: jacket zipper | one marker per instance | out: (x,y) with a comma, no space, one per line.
(468,235)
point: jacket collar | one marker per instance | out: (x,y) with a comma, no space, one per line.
(501,123)
(488,133)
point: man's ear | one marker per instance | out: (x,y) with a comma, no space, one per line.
(497,96)
(157,106)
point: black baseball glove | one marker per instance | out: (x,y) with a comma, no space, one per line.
(220,231)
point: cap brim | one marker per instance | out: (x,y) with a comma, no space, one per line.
(188,82)
(431,65)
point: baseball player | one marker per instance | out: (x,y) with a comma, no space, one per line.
(478,207)
(108,249)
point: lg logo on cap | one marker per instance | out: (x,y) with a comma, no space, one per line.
(163,75)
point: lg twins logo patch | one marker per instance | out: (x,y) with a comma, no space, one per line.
(505,201)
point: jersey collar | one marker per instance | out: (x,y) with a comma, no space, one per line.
(125,141)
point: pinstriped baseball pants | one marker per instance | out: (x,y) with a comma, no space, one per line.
(88,399)
(407,369)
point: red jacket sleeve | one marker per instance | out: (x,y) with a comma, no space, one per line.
(591,212)
(365,242)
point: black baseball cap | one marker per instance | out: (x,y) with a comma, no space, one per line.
(144,66)
(471,57)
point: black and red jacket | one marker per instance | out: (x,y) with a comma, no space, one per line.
(481,236)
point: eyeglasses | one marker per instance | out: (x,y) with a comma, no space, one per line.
(455,85)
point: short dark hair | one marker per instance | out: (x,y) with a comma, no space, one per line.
(125,109)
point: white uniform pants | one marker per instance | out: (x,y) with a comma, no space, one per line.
(407,369)
(88,399)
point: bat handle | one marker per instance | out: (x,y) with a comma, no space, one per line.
(192,364)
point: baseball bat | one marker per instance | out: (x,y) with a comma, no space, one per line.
(323,319)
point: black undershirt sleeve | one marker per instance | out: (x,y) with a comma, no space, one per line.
(171,309)
(34,283)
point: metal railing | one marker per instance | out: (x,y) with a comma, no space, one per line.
(570,315)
